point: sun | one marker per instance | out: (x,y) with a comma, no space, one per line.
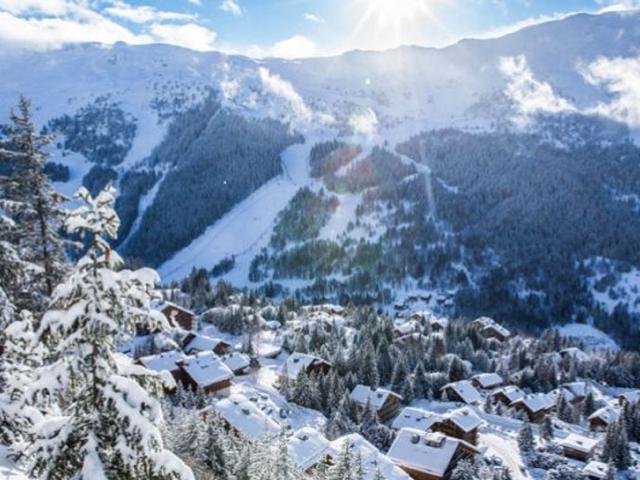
(387,23)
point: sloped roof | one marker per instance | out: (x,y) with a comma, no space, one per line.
(236,361)
(630,396)
(486,322)
(579,443)
(195,342)
(246,417)
(465,418)
(426,452)
(297,362)
(488,380)
(167,304)
(205,369)
(165,361)
(465,390)
(307,447)
(608,414)
(417,418)
(574,390)
(372,458)
(596,469)
(376,397)
(537,402)
(512,393)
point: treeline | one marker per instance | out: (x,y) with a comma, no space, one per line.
(328,157)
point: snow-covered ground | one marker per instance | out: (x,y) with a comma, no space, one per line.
(590,335)
(8,470)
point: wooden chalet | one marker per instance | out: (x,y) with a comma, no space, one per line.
(246,419)
(536,406)
(205,372)
(385,403)
(578,447)
(602,418)
(489,328)
(163,362)
(239,363)
(595,470)
(195,342)
(296,362)
(507,395)
(462,423)
(487,381)
(426,455)
(308,448)
(417,418)
(179,316)
(632,396)
(462,391)
(575,392)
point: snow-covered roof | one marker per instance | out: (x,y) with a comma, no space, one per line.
(195,342)
(486,322)
(579,442)
(465,418)
(372,458)
(244,416)
(537,402)
(411,417)
(631,396)
(205,369)
(488,380)
(608,414)
(596,469)
(299,361)
(376,397)
(236,361)
(167,304)
(574,390)
(307,447)
(162,361)
(576,353)
(512,393)
(465,390)
(407,327)
(426,452)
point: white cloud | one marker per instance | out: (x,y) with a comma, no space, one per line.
(530,95)
(621,78)
(190,35)
(313,18)
(54,32)
(232,7)
(195,2)
(297,46)
(618,5)
(46,7)
(145,14)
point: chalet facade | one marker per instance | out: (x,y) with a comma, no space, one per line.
(205,372)
(507,395)
(489,328)
(462,423)
(487,381)
(428,456)
(602,418)
(385,403)
(239,363)
(179,316)
(575,392)
(536,406)
(578,447)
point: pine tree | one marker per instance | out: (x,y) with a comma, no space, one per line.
(343,469)
(400,373)
(464,470)
(457,370)
(612,472)
(108,427)
(589,405)
(546,428)
(42,214)
(525,438)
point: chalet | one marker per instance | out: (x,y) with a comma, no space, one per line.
(574,392)
(179,316)
(489,328)
(574,353)
(437,324)
(373,460)
(205,372)
(266,405)
(428,456)
(238,363)
(195,342)
(595,470)
(462,423)
(536,406)
(462,391)
(384,402)
(602,418)
(296,362)
(487,381)
(163,362)
(417,418)
(632,396)
(406,328)
(507,395)
(578,447)
(246,419)
(308,448)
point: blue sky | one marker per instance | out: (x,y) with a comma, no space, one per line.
(287,28)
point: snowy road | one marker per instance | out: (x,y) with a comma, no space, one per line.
(507,449)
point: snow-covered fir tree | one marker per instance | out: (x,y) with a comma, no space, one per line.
(109,423)
(41,214)
(526,441)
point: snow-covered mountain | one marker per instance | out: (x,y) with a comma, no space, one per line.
(208,149)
